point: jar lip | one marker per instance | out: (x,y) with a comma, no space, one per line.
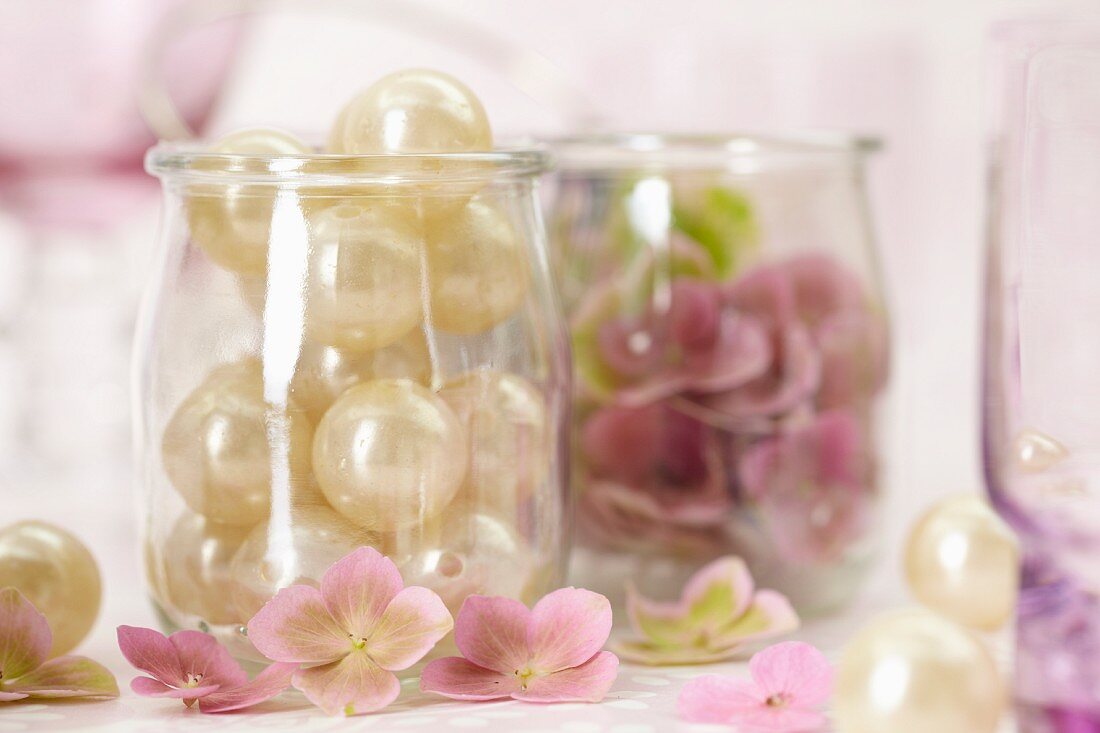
(192,161)
(619,150)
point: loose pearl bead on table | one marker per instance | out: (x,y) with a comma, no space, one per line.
(962,560)
(55,571)
(914,672)
(232,223)
(477,269)
(217,450)
(364,283)
(389,454)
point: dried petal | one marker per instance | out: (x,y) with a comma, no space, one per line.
(409,627)
(296,626)
(588,682)
(351,686)
(25,637)
(567,628)
(66,677)
(491,632)
(461,679)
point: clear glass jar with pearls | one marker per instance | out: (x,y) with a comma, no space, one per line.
(346,349)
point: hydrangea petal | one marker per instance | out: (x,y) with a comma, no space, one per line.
(148,687)
(296,626)
(715,698)
(491,631)
(202,656)
(770,614)
(588,682)
(12,696)
(25,636)
(741,352)
(265,686)
(151,652)
(567,627)
(460,679)
(66,677)
(409,627)
(642,652)
(350,686)
(796,670)
(764,719)
(357,589)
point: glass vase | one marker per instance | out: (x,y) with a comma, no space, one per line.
(346,351)
(730,342)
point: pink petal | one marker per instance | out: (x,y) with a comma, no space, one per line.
(10,696)
(796,670)
(148,687)
(66,677)
(202,657)
(718,698)
(296,626)
(792,379)
(629,347)
(623,442)
(770,614)
(460,679)
(642,652)
(151,652)
(766,293)
(25,636)
(767,719)
(491,632)
(265,686)
(357,589)
(740,353)
(350,686)
(588,682)
(724,572)
(567,627)
(823,287)
(410,626)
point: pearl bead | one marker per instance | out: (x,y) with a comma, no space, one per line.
(962,561)
(191,569)
(232,223)
(413,111)
(505,419)
(364,288)
(476,269)
(914,672)
(216,446)
(297,550)
(323,373)
(464,552)
(1037,451)
(389,454)
(56,573)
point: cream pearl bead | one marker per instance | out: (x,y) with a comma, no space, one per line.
(506,426)
(464,552)
(477,269)
(962,560)
(323,373)
(296,550)
(192,569)
(413,111)
(216,447)
(364,282)
(389,454)
(55,571)
(232,223)
(914,672)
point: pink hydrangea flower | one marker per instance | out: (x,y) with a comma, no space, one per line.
(718,613)
(191,665)
(26,671)
(352,634)
(550,653)
(791,683)
(812,482)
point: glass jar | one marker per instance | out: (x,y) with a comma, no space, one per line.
(339,351)
(730,343)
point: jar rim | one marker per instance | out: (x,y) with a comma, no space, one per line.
(192,161)
(624,150)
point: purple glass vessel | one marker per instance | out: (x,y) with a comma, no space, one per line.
(1041,391)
